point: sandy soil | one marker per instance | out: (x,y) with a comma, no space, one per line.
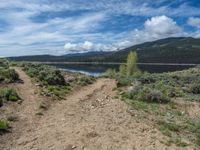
(90,118)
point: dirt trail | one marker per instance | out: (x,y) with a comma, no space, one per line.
(27,121)
(90,119)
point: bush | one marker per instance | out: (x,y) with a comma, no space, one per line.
(8,94)
(12,75)
(85,80)
(8,75)
(55,78)
(153,96)
(139,92)
(110,73)
(124,81)
(171,126)
(13,98)
(4,125)
(195,89)
(198,140)
(133,90)
(44,74)
(147,79)
(4,63)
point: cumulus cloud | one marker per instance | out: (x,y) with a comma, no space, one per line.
(154,28)
(195,22)
(62,24)
(70,46)
(86,46)
(162,25)
(89,46)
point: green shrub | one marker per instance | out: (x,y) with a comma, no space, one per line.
(4,125)
(122,70)
(8,75)
(111,73)
(170,126)
(85,80)
(8,94)
(13,98)
(154,96)
(147,79)
(4,63)
(55,78)
(126,81)
(195,89)
(180,142)
(44,74)
(198,140)
(143,93)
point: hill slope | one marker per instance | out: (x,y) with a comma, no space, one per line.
(169,50)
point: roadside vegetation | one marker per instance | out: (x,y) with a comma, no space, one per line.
(157,96)
(7,75)
(53,82)
(8,94)
(4,126)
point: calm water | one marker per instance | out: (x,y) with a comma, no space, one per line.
(98,69)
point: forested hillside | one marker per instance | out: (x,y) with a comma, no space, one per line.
(169,50)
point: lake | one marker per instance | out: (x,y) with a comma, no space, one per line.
(98,69)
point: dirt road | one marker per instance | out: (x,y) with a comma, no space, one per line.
(90,118)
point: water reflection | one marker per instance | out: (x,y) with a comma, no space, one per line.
(98,69)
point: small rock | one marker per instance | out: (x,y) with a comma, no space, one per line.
(37,84)
(73,147)
(70,114)
(70,147)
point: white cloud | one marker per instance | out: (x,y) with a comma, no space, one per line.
(195,22)
(24,36)
(70,46)
(85,46)
(162,26)
(154,28)
(88,46)
(157,27)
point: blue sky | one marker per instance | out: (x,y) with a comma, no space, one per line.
(57,27)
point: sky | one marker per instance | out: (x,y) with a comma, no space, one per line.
(58,27)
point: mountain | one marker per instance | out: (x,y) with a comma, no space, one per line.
(76,57)
(169,50)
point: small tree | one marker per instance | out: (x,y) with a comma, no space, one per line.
(131,63)
(122,70)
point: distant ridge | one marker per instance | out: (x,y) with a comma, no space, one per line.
(169,50)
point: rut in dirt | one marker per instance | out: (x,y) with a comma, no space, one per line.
(25,112)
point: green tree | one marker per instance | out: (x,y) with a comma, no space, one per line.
(131,63)
(122,70)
